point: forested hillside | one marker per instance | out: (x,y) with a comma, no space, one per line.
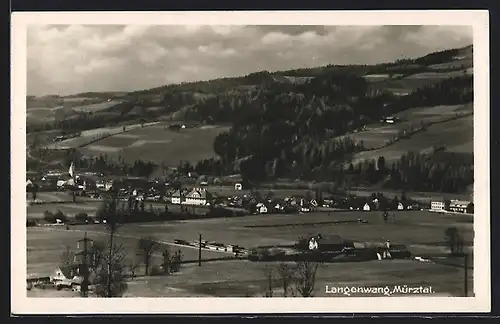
(290,124)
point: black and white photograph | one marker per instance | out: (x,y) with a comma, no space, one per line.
(317,157)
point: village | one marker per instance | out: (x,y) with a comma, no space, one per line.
(202,194)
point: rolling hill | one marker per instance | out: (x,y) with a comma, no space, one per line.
(293,124)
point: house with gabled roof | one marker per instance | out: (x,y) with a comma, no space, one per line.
(199,197)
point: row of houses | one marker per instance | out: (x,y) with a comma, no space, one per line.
(454,205)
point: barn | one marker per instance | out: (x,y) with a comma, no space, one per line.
(329,243)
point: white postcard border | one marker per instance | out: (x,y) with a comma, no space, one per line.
(479,20)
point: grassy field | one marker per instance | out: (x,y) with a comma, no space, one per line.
(90,136)
(458,64)
(244,278)
(404,85)
(71,209)
(422,232)
(455,135)
(45,246)
(379,135)
(159,144)
(95,107)
(71,107)
(440,75)
(50,196)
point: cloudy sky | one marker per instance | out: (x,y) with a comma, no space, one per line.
(70,59)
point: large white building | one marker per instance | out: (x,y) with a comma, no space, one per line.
(459,206)
(197,196)
(438,206)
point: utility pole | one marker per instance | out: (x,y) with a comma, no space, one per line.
(199,252)
(466,274)
(85,266)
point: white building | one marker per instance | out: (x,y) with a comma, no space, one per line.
(400,206)
(366,207)
(459,206)
(198,197)
(437,206)
(238,186)
(176,198)
(261,208)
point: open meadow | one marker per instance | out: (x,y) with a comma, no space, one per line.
(454,135)
(70,209)
(159,144)
(241,278)
(90,136)
(378,135)
(422,233)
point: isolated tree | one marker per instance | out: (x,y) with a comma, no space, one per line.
(454,240)
(269,274)
(34,191)
(285,273)
(130,202)
(176,261)
(146,247)
(110,279)
(67,257)
(166,261)
(96,255)
(132,267)
(381,164)
(306,277)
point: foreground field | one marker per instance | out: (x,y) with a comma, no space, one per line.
(422,232)
(244,278)
(45,247)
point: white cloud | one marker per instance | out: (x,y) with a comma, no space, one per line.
(72,59)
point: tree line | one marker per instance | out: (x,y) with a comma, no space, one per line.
(434,172)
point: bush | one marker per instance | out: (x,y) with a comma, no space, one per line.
(49,216)
(176,261)
(31,222)
(59,215)
(219,212)
(156,271)
(82,217)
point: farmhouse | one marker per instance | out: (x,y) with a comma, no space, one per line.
(437,206)
(176,197)
(459,206)
(65,274)
(329,243)
(198,196)
(261,208)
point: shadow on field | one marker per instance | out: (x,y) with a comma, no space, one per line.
(356,221)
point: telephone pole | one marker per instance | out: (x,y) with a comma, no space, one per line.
(85,266)
(466,274)
(199,252)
